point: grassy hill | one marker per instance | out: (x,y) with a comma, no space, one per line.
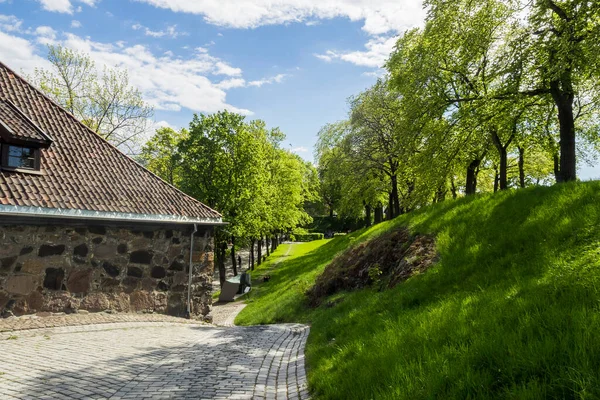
(511,310)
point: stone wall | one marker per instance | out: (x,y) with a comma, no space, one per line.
(99,268)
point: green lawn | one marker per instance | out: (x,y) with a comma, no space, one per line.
(512,310)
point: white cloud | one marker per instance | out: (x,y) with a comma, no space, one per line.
(268,81)
(379,16)
(300,149)
(75,24)
(61,6)
(20,54)
(232,83)
(170,32)
(45,35)
(377,51)
(166,82)
(382,20)
(65,6)
(10,23)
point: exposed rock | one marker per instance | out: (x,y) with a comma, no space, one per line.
(180,278)
(8,250)
(105,251)
(7,263)
(158,272)
(130,284)
(148,284)
(54,278)
(175,305)
(26,250)
(160,302)
(60,302)
(35,301)
(119,302)
(95,302)
(79,281)
(4,298)
(111,270)
(122,248)
(21,284)
(35,266)
(177,265)
(47,250)
(141,302)
(141,257)
(135,272)
(81,250)
(109,284)
(98,240)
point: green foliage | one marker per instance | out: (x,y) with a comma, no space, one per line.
(510,310)
(308,237)
(238,168)
(161,155)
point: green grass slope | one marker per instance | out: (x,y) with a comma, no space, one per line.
(511,310)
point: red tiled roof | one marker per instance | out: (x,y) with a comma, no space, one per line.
(81,170)
(16,125)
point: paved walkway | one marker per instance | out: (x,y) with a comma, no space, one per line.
(154,360)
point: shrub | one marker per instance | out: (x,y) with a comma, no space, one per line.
(309,237)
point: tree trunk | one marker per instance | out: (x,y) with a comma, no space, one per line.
(233,260)
(563,98)
(390,208)
(274,243)
(379,213)
(368,209)
(556,160)
(503,153)
(259,251)
(395,197)
(496,181)
(252,242)
(453,188)
(331,211)
(221,250)
(522,167)
(267,245)
(472,170)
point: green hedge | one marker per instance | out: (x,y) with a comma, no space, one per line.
(309,237)
(339,234)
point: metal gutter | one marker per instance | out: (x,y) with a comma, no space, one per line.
(43,212)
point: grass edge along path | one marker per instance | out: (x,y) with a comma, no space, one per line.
(512,310)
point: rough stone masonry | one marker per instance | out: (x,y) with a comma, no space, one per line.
(61,268)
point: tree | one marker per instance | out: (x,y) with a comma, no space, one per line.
(105,102)
(160,154)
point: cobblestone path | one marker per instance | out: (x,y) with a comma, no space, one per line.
(154,360)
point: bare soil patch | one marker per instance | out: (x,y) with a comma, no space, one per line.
(384,261)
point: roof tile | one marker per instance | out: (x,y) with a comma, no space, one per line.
(81,170)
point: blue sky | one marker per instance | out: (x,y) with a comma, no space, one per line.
(292,63)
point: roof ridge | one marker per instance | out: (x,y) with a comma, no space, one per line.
(113,147)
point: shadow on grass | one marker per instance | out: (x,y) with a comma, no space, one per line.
(509,312)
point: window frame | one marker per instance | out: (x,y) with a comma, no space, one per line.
(5,155)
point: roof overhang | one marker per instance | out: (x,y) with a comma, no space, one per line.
(89,215)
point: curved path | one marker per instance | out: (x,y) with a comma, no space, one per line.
(154,360)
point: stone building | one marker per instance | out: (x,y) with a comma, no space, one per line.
(84,227)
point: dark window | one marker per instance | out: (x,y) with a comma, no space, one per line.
(21,157)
